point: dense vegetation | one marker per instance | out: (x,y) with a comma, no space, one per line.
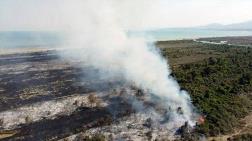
(220,86)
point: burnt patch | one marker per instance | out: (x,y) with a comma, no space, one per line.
(82,119)
(28,57)
(39,82)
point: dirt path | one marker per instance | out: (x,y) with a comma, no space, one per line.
(7,134)
(246,128)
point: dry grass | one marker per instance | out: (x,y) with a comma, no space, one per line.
(6,51)
(6,134)
(246,127)
(185,51)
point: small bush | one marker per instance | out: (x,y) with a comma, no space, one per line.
(97,137)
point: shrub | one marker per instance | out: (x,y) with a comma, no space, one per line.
(215,85)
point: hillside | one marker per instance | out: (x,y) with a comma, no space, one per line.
(236,26)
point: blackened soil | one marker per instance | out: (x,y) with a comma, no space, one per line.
(41,80)
(60,127)
(42,76)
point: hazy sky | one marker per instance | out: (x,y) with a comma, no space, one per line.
(45,15)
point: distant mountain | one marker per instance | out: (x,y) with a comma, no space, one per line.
(237,26)
(211,30)
(244,25)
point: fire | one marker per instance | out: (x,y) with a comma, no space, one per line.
(201,120)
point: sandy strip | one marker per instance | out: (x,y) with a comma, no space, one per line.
(8,51)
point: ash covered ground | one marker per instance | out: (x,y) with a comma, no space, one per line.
(44,97)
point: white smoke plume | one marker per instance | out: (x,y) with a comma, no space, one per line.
(97,36)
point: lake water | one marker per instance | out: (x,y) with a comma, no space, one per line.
(48,39)
(28,39)
(188,33)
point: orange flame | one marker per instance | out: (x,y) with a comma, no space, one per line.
(201,120)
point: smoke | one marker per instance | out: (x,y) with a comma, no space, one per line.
(97,36)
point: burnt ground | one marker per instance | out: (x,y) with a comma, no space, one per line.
(60,127)
(41,76)
(82,119)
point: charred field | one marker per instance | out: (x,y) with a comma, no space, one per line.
(38,77)
(45,97)
(218,78)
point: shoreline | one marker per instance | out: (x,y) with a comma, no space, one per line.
(241,41)
(225,40)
